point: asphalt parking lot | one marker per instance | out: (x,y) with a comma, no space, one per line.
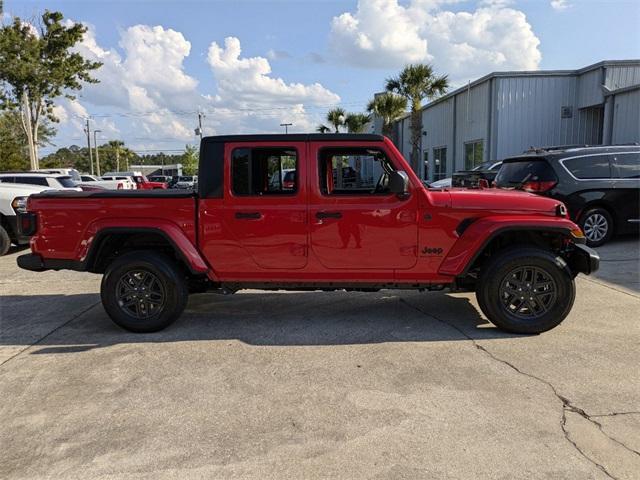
(318,385)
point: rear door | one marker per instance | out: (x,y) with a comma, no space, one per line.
(355,221)
(627,186)
(260,223)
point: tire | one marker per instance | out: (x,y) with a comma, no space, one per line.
(597,225)
(144,291)
(5,241)
(549,303)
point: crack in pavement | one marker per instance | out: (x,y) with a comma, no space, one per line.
(567,406)
(614,414)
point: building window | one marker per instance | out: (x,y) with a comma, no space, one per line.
(425,158)
(439,163)
(473,154)
(264,171)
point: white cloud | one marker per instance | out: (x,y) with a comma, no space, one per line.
(146,93)
(250,98)
(386,34)
(560,4)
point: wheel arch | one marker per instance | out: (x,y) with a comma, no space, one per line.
(487,235)
(111,242)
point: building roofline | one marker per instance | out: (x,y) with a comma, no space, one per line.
(528,73)
(607,92)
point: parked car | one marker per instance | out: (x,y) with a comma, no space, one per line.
(69,172)
(285,179)
(599,185)
(52,180)
(13,200)
(92,181)
(142,182)
(468,178)
(486,171)
(518,252)
(161,178)
(186,182)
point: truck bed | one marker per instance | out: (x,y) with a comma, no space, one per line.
(69,221)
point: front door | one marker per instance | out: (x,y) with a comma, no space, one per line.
(355,221)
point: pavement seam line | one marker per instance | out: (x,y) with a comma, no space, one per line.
(566,404)
(607,285)
(78,315)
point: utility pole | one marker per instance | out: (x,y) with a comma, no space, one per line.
(286,127)
(95,145)
(87,130)
(26,121)
(198,130)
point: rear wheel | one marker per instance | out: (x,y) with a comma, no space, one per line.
(526,290)
(597,225)
(5,241)
(144,291)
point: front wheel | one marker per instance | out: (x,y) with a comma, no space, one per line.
(5,241)
(144,291)
(597,225)
(526,290)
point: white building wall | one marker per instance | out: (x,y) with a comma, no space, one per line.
(472,119)
(437,122)
(626,117)
(621,76)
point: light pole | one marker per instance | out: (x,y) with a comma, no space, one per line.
(95,145)
(87,130)
(286,127)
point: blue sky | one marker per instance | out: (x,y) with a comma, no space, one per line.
(292,60)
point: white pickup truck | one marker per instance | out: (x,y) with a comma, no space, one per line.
(123,183)
(13,200)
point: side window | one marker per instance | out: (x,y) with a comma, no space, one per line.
(264,171)
(349,171)
(592,167)
(628,165)
(7,179)
(32,180)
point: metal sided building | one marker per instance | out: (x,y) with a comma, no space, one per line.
(505,113)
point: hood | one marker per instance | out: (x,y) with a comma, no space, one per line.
(502,200)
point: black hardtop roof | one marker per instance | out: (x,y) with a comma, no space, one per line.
(565,151)
(297,137)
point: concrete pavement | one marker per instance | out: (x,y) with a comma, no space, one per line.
(318,385)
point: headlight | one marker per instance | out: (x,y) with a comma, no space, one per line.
(19,204)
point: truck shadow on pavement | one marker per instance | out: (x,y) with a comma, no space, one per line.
(254,318)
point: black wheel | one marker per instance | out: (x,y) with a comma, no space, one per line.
(526,290)
(144,291)
(597,225)
(5,241)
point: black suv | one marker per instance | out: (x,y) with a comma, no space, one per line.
(599,185)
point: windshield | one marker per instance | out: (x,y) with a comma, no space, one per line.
(66,182)
(483,166)
(515,173)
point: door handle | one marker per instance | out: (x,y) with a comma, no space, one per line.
(248,215)
(323,215)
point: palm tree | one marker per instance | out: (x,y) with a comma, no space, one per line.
(323,129)
(356,122)
(336,118)
(389,107)
(417,82)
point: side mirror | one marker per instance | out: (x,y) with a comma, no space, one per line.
(399,183)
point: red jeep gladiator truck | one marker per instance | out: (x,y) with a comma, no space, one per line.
(377,226)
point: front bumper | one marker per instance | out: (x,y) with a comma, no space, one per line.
(583,259)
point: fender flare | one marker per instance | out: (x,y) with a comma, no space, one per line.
(478,234)
(172,233)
